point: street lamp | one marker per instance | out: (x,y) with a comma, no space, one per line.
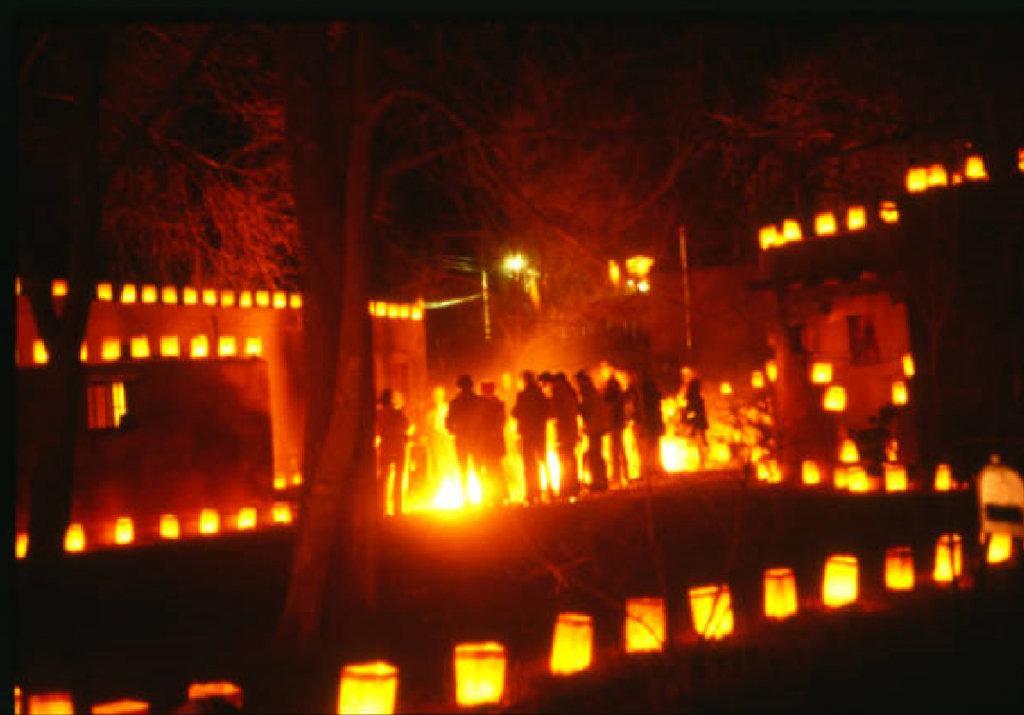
(515,263)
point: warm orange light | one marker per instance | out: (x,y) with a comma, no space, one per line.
(282,513)
(227,298)
(39,354)
(711,611)
(110,349)
(59,288)
(956,179)
(403,311)
(908,364)
(856,219)
(791,230)
(1000,548)
(190,296)
(209,521)
(848,451)
(296,479)
(83,352)
(368,689)
(209,296)
(253,346)
(943,478)
(825,224)
(937,176)
(50,704)
(417,313)
(124,531)
(169,295)
(280,299)
(572,644)
(74,539)
(21,546)
(899,569)
(246,518)
(917,179)
(280,481)
(768,471)
(821,373)
(834,399)
(779,593)
(392,310)
(839,584)
(128,293)
(228,691)
(858,481)
(121,707)
(245,299)
(974,168)
(768,237)
(899,393)
(810,474)
(169,527)
(199,347)
(17,700)
(614,273)
(677,454)
(479,673)
(757,379)
(644,627)
(895,477)
(948,558)
(263,298)
(227,346)
(295,300)
(169,346)
(149,294)
(726,388)
(888,212)
(104,292)
(138,347)
(771,370)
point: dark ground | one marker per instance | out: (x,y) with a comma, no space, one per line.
(145,622)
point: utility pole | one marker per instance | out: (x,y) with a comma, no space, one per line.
(487,305)
(686,292)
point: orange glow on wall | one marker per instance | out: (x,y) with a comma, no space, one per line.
(189,296)
(149,294)
(74,539)
(253,347)
(229,691)
(368,689)
(768,237)
(948,558)
(644,626)
(895,477)
(888,212)
(199,347)
(50,704)
(227,346)
(59,288)
(821,373)
(246,518)
(856,218)
(779,593)
(245,299)
(771,370)
(128,293)
(121,707)
(227,298)
(908,364)
(974,168)
(571,644)
(169,295)
(834,399)
(263,298)
(810,474)
(209,297)
(1000,548)
(280,299)
(169,528)
(899,393)
(943,478)
(209,521)
(138,347)
(479,673)
(21,546)
(825,224)
(711,611)
(110,349)
(104,292)
(917,179)
(295,300)
(899,569)
(791,230)
(757,379)
(282,513)
(839,583)
(937,176)
(124,531)
(169,346)
(39,354)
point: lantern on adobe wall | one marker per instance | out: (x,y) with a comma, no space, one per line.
(572,643)
(295,301)
(825,224)
(138,347)
(51,704)
(856,218)
(1000,548)
(711,611)
(848,453)
(917,179)
(219,689)
(169,295)
(280,299)
(189,296)
(889,212)
(246,518)
(839,583)
(899,393)
(791,230)
(209,297)
(110,349)
(810,474)
(895,477)
(858,481)
(937,176)
(282,513)
(59,288)
(199,347)
(227,346)
(771,370)
(726,388)
(768,237)
(479,673)
(821,373)
(227,298)
(169,527)
(124,531)
(644,627)
(245,299)
(943,478)
(368,689)
(834,399)
(169,346)
(757,379)
(254,346)
(39,354)
(974,168)
(948,558)
(779,593)
(121,707)
(899,569)
(74,539)
(209,521)
(263,299)
(149,294)
(21,546)
(128,293)
(104,292)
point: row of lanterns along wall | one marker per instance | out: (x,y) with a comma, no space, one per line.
(918,180)
(209,522)
(480,667)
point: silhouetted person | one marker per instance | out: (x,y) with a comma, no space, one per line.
(615,404)
(492,445)
(565,408)
(650,426)
(393,429)
(695,416)
(463,421)
(595,423)
(531,412)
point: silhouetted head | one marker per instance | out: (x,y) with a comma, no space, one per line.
(387,398)
(465,382)
(529,378)
(546,378)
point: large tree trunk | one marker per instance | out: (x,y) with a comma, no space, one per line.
(329,153)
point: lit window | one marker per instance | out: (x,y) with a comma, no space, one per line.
(209,296)
(169,346)
(138,347)
(189,296)
(128,293)
(280,299)
(227,298)
(107,404)
(227,346)
(295,300)
(39,354)
(262,299)
(105,292)
(170,294)
(254,347)
(110,349)
(149,294)
(199,347)
(245,299)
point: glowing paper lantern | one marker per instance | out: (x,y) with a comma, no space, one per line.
(169,295)
(711,611)
(227,346)
(128,293)
(245,299)
(295,300)
(948,558)
(677,455)
(83,352)
(228,691)
(779,593)
(190,296)
(21,546)
(74,539)
(254,346)
(246,518)
(169,527)
(280,481)
(209,521)
(138,347)
(895,477)
(644,628)
(614,273)
(908,364)
(39,354)
(169,346)
(855,218)
(757,379)
(104,292)
(368,689)
(50,704)
(791,230)
(810,474)
(296,479)
(572,643)
(974,168)
(825,224)
(209,296)
(917,179)
(943,478)
(821,373)
(263,298)
(59,288)
(280,299)
(393,311)
(937,176)
(726,388)
(417,313)
(899,393)
(834,399)
(857,480)
(479,673)
(282,513)
(848,453)
(768,237)
(768,471)
(124,531)
(899,569)
(199,347)
(149,294)
(1000,548)
(227,298)
(839,584)
(888,212)
(121,707)
(110,349)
